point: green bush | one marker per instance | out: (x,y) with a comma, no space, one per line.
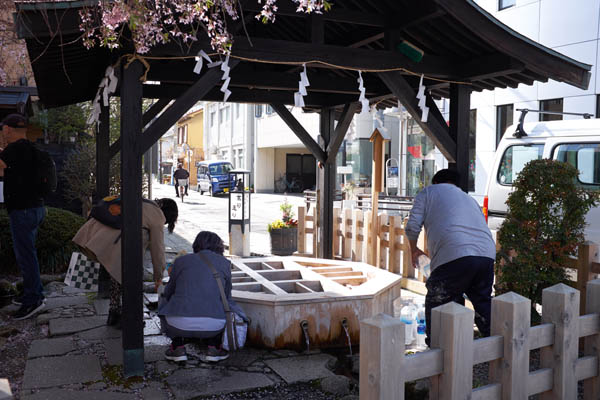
(54,243)
(544,226)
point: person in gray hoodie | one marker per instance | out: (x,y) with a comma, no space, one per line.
(191,306)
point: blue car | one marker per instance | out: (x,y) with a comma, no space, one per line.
(213,176)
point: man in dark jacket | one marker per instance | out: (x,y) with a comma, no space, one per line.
(25,209)
(180,173)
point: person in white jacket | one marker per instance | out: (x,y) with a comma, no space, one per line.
(460,245)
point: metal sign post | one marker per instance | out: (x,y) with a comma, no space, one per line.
(239,212)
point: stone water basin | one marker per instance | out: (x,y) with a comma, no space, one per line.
(290,298)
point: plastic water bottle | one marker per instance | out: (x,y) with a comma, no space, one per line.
(424,264)
(407,315)
(421,329)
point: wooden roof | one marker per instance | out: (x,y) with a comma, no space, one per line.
(461,43)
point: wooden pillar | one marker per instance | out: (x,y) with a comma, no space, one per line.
(382,358)
(512,316)
(102,154)
(460,108)
(103,181)
(326,186)
(561,308)
(452,331)
(591,387)
(131,234)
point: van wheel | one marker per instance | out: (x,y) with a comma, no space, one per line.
(210,191)
(200,190)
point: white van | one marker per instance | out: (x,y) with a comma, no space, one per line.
(576,141)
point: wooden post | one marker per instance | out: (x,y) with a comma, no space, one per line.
(131,234)
(381,241)
(452,331)
(370,235)
(336,231)
(511,318)
(358,233)
(584,274)
(395,245)
(406,252)
(460,100)
(347,238)
(591,387)
(302,230)
(315,224)
(561,308)
(326,183)
(376,187)
(102,154)
(381,358)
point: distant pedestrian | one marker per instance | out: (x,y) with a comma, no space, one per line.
(460,245)
(192,306)
(180,173)
(25,207)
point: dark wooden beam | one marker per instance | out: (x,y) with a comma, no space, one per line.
(102,153)
(243,95)
(336,14)
(490,67)
(182,74)
(340,130)
(367,40)
(436,131)
(326,189)
(316,24)
(183,103)
(301,52)
(300,132)
(131,237)
(460,100)
(148,116)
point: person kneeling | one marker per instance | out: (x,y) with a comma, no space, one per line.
(192,306)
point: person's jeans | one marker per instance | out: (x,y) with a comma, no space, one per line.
(24,227)
(473,276)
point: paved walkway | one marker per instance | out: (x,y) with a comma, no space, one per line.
(81,359)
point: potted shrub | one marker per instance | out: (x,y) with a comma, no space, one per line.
(284,232)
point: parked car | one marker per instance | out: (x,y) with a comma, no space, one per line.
(574,141)
(213,176)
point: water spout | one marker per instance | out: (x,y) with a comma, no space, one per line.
(304,326)
(345,326)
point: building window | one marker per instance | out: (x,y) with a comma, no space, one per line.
(504,4)
(212,119)
(598,106)
(472,153)
(237,110)
(185,133)
(182,134)
(554,105)
(258,110)
(268,110)
(504,118)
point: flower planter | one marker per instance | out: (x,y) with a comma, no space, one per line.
(284,241)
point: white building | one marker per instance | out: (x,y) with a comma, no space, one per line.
(569,27)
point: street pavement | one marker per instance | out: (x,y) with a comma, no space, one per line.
(202,212)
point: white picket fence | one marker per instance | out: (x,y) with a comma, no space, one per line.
(384,367)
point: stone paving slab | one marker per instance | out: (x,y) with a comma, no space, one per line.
(50,347)
(154,353)
(65,326)
(303,368)
(74,290)
(64,394)
(55,371)
(5,392)
(67,301)
(103,332)
(242,358)
(101,306)
(114,351)
(151,327)
(194,382)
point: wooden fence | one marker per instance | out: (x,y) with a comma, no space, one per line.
(353,233)
(384,367)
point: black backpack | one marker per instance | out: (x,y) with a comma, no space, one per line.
(45,172)
(108,211)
